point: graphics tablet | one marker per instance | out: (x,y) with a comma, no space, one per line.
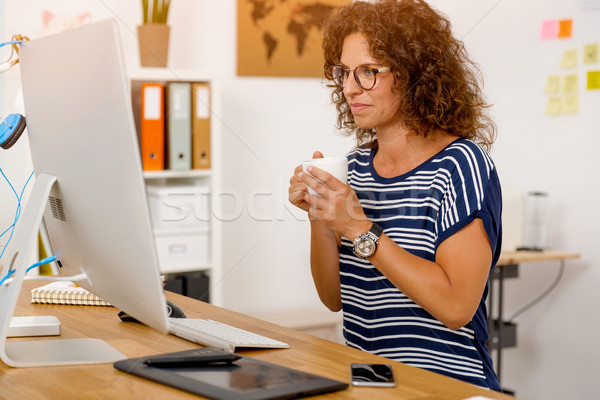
(245,379)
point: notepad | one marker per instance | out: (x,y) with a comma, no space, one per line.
(65,292)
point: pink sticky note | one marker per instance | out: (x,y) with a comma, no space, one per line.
(549,29)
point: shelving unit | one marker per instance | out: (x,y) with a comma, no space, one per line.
(206,178)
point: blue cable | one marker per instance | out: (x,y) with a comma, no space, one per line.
(17,212)
(12,42)
(46,260)
(9,184)
(12,227)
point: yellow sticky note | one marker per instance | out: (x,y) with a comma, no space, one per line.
(570,83)
(570,105)
(554,105)
(565,28)
(593,80)
(569,59)
(590,53)
(552,84)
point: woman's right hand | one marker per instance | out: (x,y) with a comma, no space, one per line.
(298,189)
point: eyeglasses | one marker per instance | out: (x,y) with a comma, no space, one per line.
(364,76)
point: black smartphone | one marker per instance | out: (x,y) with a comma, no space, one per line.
(372,375)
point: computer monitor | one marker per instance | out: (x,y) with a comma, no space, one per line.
(89,185)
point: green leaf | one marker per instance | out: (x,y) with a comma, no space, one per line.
(145,11)
(155,11)
(166,5)
(155,16)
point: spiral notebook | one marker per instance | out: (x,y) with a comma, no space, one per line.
(65,292)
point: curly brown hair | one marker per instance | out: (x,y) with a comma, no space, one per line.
(439,83)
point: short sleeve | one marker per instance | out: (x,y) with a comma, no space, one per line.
(473,191)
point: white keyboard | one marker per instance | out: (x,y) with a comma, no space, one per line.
(216,334)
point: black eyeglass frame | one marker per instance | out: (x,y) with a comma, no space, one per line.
(346,74)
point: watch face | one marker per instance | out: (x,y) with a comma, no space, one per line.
(365,247)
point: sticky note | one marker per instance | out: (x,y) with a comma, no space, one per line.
(549,29)
(554,105)
(570,105)
(590,53)
(552,84)
(569,59)
(565,28)
(570,83)
(593,80)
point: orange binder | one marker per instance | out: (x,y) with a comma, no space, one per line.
(152,127)
(200,125)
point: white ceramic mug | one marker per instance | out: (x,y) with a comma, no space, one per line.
(336,166)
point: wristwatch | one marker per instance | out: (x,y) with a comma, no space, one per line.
(366,244)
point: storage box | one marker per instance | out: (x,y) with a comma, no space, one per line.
(181,206)
(192,284)
(182,250)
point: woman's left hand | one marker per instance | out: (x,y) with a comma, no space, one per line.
(338,207)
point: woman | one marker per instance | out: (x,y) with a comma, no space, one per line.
(406,248)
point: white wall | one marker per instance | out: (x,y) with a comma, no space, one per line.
(2,58)
(270,125)
(556,356)
(14,163)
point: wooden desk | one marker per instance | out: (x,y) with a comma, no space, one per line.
(507,267)
(101,381)
(521,256)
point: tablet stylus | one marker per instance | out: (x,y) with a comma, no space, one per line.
(191,360)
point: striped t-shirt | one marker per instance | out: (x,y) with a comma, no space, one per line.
(418,211)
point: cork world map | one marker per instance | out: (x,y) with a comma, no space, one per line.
(282,37)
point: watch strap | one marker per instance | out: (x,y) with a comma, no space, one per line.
(376,230)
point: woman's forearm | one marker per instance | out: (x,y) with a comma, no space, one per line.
(324,262)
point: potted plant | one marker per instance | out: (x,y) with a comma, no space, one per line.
(153,34)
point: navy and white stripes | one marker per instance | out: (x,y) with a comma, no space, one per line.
(418,211)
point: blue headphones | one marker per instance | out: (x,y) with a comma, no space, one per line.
(11,129)
(12,126)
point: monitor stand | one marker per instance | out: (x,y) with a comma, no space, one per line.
(37,353)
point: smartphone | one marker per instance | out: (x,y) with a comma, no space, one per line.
(372,375)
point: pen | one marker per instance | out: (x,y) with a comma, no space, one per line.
(187,361)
